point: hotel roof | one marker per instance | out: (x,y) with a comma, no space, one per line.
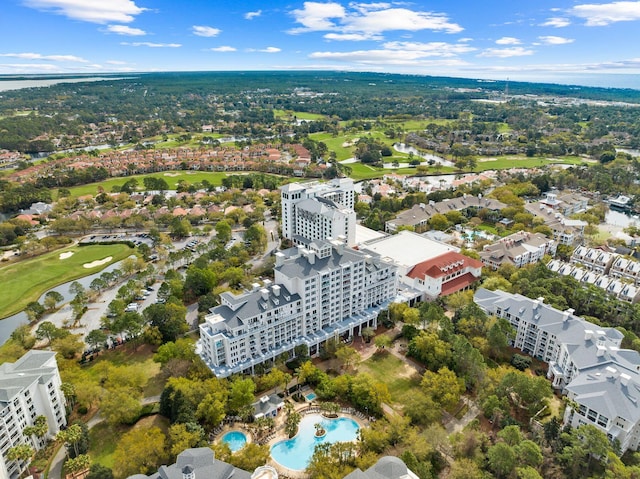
(407,248)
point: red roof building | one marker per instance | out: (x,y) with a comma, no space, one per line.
(445,274)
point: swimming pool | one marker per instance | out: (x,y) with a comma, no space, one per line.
(310,396)
(296,452)
(235,439)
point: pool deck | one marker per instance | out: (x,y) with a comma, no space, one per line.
(280,435)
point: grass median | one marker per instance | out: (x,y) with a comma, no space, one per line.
(27,280)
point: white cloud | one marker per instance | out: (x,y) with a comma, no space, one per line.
(125,30)
(557,22)
(631,66)
(367,7)
(38,56)
(265,50)
(116,62)
(94,11)
(506,52)
(508,41)
(354,37)
(400,19)
(379,58)
(152,45)
(367,19)
(431,49)
(402,54)
(316,16)
(252,15)
(28,67)
(465,40)
(607,13)
(553,40)
(223,48)
(204,31)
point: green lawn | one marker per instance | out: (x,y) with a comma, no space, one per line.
(25,281)
(399,378)
(171,177)
(300,115)
(516,161)
(103,439)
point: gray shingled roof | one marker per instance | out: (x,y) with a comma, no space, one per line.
(14,377)
(599,384)
(301,268)
(387,467)
(203,463)
(250,305)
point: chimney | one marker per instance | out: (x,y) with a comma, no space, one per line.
(624,379)
(279,259)
(276,290)
(311,257)
(264,294)
(588,334)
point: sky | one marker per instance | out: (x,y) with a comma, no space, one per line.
(534,40)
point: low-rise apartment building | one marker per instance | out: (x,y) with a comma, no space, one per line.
(520,249)
(418,216)
(566,231)
(593,259)
(29,388)
(323,291)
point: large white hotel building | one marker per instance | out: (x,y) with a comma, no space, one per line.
(323,290)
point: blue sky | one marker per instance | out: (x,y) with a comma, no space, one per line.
(518,39)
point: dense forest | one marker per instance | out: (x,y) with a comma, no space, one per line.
(143,105)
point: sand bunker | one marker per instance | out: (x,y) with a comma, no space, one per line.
(171,174)
(484,160)
(66,254)
(98,262)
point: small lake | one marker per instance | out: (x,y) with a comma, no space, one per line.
(404,148)
(618,218)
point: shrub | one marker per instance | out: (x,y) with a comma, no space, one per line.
(520,362)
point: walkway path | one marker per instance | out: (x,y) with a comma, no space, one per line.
(457,425)
(55,470)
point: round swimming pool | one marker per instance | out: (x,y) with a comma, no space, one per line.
(235,439)
(296,452)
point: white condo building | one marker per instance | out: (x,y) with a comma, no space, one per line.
(317,210)
(323,291)
(29,388)
(585,362)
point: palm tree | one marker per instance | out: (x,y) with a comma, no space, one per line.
(71,436)
(21,452)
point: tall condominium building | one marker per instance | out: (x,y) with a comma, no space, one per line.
(317,211)
(586,362)
(29,388)
(323,291)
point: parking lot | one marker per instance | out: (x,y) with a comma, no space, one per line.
(136,238)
